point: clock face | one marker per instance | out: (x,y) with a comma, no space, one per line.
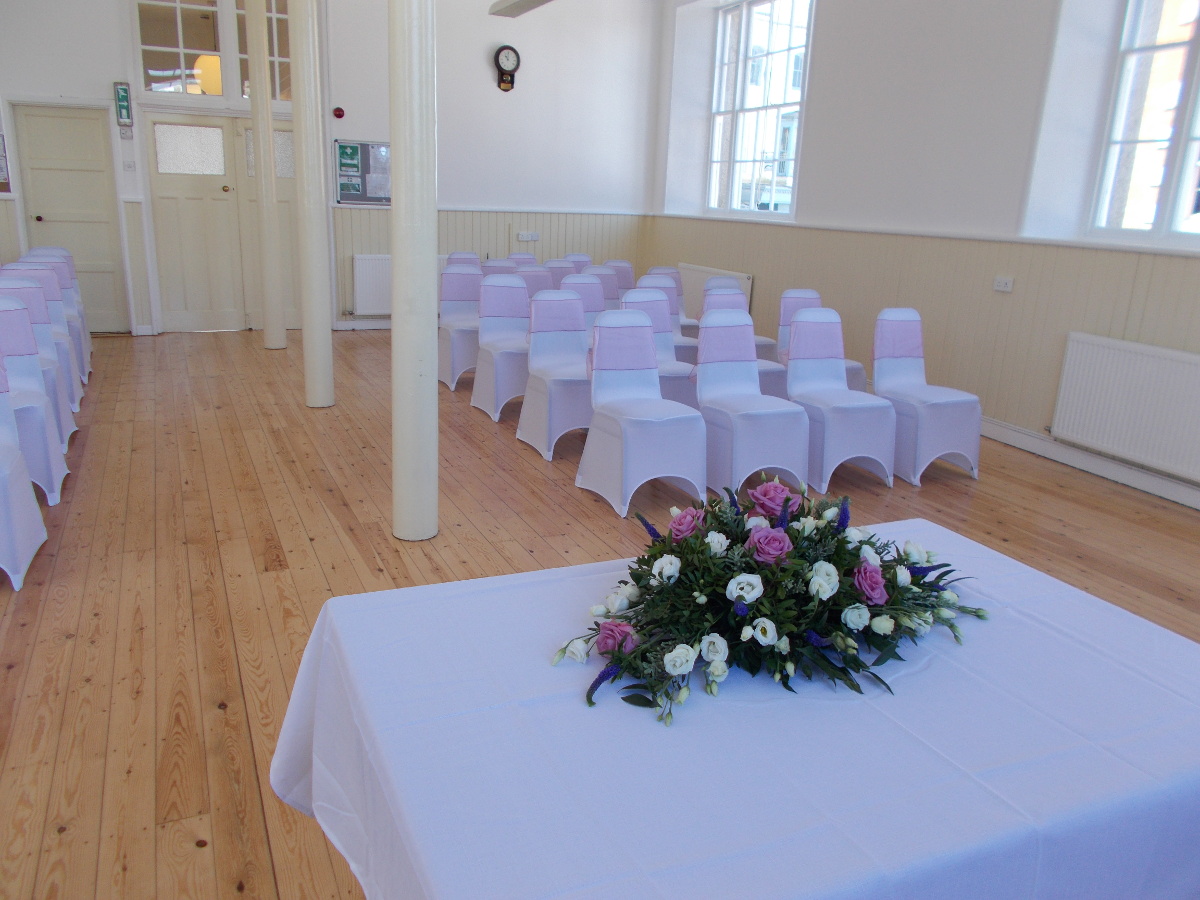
(507,59)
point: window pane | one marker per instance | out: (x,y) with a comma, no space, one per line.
(283,87)
(281,7)
(244,67)
(189,149)
(199,29)
(158,25)
(162,70)
(779,76)
(1150,87)
(241,30)
(1161,22)
(203,73)
(1135,177)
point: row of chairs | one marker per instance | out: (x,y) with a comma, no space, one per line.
(820,421)
(45,361)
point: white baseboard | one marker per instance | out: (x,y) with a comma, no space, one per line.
(1114,470)
(143,331)
(363,324)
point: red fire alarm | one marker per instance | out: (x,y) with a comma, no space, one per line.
(338,112)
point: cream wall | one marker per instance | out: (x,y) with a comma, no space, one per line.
(1007,348)
(10,245)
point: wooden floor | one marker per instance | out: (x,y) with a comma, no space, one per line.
(146,666)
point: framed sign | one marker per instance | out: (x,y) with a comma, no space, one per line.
(364,173)
(124,104)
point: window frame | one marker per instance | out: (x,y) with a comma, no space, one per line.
(742,70)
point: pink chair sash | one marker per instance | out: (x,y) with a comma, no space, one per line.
(498,267)
(31,297)
(624,347)
(816,340)
(460,286)
(789,305)
(42,274)
(898,339)
(726,343)
(556,315)
(16,334)
(62,268)
(726,298)
(590,290)
(659,312)
(508,301)
(538,279)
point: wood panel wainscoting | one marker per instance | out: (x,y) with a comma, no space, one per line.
(146,666)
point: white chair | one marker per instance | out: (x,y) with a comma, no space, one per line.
(54,351)
(536,277)
(69,347)
(932,422)
(608,279)
(772,376)
(746,431)
(560,269)
(498,267)
(675,376)
(689,327)
(558,395)
(522,258)
(805,298)
(685,347)
(624,270)
(843,425)
(22,529)
(458,321)
(502,367)
(580,260)
(727,297)
(71,296)
(636,435)
(37,430)
(462,258)
(591,292)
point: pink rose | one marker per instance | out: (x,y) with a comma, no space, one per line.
(615,636)
(869,581)
(769,497)
(770,545)
(686,523)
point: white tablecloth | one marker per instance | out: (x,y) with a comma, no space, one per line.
(1055,754)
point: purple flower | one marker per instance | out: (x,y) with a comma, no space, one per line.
(740,608)
(615,636)
(607,672)
(650,529)
(843,521)
(733,504)
(869,581)
(919,572)
(769,545)
(686,523)
(816,640)
(770,499)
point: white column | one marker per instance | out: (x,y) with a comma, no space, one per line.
(312,192)
(269,243)
(414,270)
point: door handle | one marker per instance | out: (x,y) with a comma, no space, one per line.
(37,218)
(226,188)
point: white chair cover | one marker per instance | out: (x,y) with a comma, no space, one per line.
(65,335)
(772,376)
(720,295)
(501,369)
(536,278)
(37,429)
(462,257)
(624,270)
(843,425)
(746,431)
(54,355)
(558,395)
(685,346)
(458,321)
(71,295)
(521,258)
(591,291)
(22,529)
(608,279)
(498,267)
(806,298)
(675,376)
(932,422)
(580,260)
(560,269)
(635,435)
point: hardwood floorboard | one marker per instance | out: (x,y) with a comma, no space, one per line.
(146,666)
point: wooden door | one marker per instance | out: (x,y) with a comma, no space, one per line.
(71,201)
(194,195)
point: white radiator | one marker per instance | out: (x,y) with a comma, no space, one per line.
(1131,401)
(693,286)
(372,284)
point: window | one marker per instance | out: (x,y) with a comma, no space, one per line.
(757,99)
(182,41)
(1149,180)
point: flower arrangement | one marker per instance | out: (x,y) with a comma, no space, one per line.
(781,584)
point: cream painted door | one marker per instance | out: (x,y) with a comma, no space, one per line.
(71,201)
(197,229)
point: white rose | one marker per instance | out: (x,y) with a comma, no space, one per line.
(903,576)
(914,553)
(684,693)
(631,591)
(744,587)
(747,632)
(855,536)
(764,632)
(717,543)
(674,511)
(949,596)
(946,614)
(823,580)
(856,617)
(680,660)
(714,648)
(599,610)
(790,668)
(757,522)
(831,514)
(868,555)
(922,624)
(784,645)
(616,602)
(666,568)
(576,650)
(883,625)
(717,670)
(805,526)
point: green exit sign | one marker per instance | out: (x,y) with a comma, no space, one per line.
(124,105)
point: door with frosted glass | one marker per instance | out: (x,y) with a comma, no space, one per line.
(194,183)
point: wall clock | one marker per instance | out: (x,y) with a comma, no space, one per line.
(507,60)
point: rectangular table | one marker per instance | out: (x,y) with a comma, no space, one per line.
(1055,754)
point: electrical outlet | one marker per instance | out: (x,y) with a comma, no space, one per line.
(129,165)
(1003,284)
(528,236)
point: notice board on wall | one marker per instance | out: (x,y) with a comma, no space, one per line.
(364,173)
(5,181)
